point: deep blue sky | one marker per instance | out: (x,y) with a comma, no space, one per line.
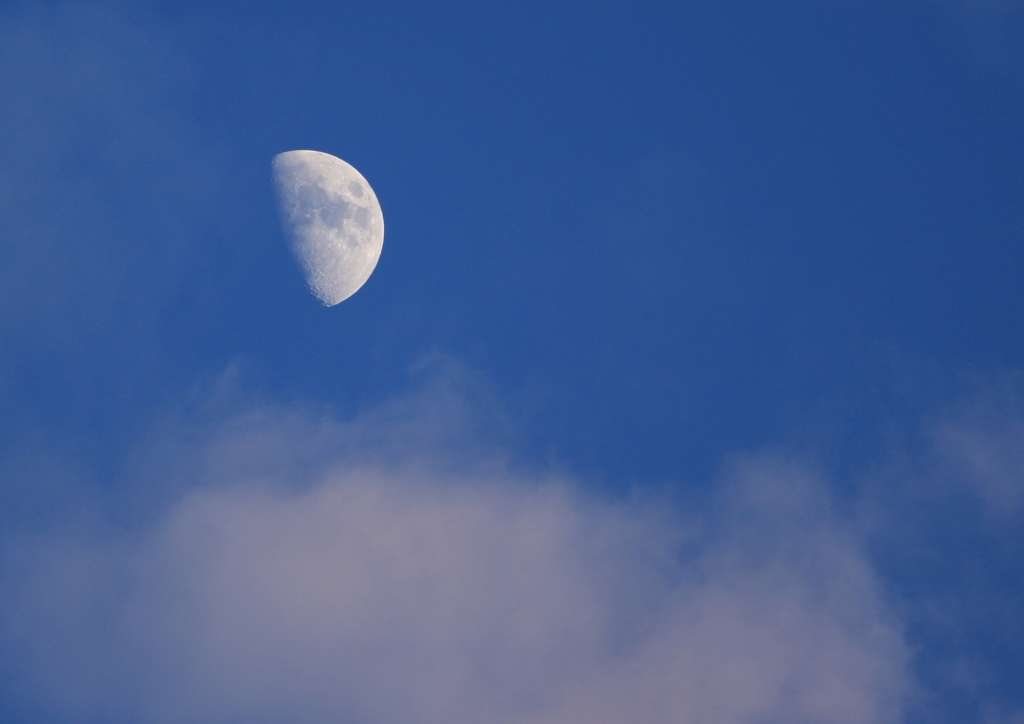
(657,234)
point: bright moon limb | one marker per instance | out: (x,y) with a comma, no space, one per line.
(332,219)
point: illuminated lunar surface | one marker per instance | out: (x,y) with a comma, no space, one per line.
(332,219)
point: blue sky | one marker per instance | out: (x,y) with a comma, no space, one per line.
(689,386)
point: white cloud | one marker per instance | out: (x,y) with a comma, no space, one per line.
(301,580)
(980,448)
(943,516)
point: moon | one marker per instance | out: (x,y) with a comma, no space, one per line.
(332,219)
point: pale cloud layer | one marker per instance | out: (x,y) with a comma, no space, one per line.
(943,520)
(302,577)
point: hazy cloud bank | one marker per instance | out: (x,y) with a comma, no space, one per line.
(944,527)
(303,575)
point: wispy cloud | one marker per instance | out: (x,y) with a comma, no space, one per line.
(946,536)
(314,571)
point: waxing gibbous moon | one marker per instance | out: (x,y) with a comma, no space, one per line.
(332,219)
